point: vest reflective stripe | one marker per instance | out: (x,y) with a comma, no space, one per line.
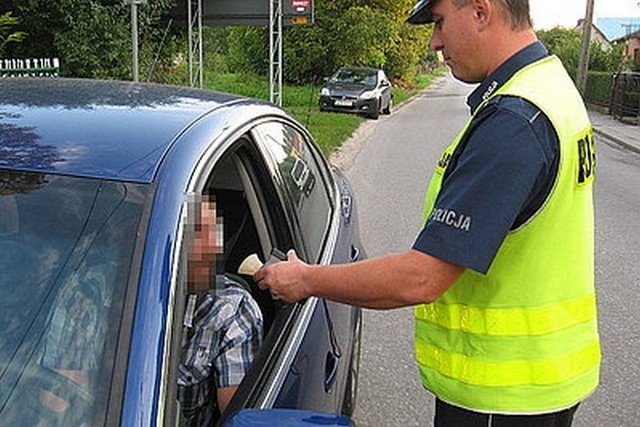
(506,348)
(518,402)
(523,338)
(508,373)
(509,321)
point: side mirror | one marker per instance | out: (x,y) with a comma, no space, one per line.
(285,418)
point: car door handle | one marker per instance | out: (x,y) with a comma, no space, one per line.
(330,370)
(347,206)
(355,253)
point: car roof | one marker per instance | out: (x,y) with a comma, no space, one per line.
(106,129)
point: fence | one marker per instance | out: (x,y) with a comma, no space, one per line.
(625,97)
(39,67)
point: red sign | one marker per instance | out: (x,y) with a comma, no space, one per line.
(300,3)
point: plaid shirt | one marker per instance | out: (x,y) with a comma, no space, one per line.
(223,333)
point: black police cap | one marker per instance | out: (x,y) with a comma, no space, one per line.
(421,13)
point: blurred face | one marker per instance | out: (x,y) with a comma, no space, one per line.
(455,35)
(205,245)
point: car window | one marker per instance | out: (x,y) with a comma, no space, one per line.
(240,192)
(66,247)
(355,76)
(304,182)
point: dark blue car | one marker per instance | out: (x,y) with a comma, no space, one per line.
(95,183)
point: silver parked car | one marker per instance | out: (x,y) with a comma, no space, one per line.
(360,90)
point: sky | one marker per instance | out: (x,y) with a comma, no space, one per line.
(550,13)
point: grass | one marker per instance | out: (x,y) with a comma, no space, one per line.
(330,130)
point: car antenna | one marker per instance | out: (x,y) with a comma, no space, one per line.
(159,50)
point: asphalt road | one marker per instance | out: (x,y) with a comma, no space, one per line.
(389,162)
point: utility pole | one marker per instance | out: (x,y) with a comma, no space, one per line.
(134,39)
(583,65)
(134,35)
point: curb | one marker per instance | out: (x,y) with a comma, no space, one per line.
(344,155)
(617,140)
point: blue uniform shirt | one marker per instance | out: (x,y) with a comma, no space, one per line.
(499,176)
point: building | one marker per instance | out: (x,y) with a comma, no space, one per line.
(626,32)
(631,43)
(597,35)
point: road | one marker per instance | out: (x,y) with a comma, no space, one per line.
(389,162)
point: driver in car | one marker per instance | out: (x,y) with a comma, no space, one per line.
(223,326)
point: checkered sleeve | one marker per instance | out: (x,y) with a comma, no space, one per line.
(240,338)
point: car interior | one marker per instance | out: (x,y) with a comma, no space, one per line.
(255,220)
(248,229)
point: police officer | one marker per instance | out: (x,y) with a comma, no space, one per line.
(502,274)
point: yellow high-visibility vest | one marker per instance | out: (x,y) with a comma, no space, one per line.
(523,338)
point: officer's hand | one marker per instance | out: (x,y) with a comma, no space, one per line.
(285,280)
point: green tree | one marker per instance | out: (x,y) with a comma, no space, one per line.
(7,32)
(92,38)
(345,33)
(565,43)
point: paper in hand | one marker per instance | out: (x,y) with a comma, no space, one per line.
(250,265)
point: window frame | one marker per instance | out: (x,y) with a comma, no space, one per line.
(325,181)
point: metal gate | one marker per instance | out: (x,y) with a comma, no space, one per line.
(625,97)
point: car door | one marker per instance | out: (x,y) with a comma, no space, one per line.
(273,190)
(318,374)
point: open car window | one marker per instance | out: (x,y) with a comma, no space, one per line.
(272,190)
(250,220)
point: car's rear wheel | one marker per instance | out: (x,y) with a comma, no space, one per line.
(349,402)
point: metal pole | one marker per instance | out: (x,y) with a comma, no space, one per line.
(272,24)
(280,64)
(583,65)
(134,38)
(190,41)
(275,52)
(200,53)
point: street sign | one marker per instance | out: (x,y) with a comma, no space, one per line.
(247,12)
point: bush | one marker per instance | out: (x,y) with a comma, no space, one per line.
(599,87)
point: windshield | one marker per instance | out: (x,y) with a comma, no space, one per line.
(66,249)
(350,76)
